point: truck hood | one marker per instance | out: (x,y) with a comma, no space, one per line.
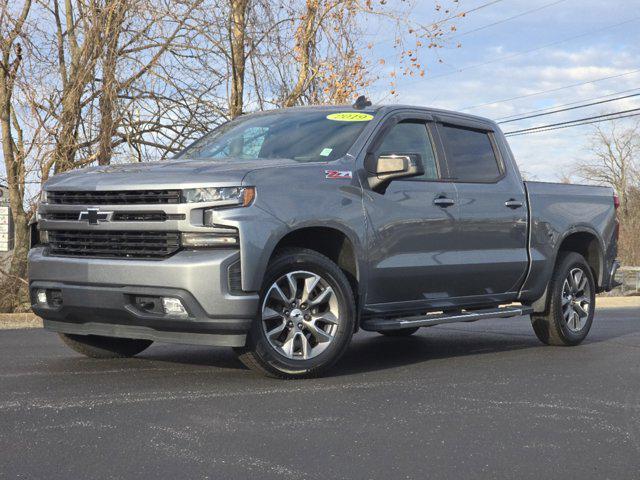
(162,174)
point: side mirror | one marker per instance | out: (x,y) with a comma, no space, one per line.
(389,166)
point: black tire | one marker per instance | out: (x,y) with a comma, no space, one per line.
(96,346)
(259,355)
(403,332)
(551,327)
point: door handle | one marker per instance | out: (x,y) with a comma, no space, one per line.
(513,203)
(443,202)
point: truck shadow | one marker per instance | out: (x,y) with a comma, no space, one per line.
(376,353)
(370,352)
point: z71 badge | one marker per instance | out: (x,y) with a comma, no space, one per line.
(336,174)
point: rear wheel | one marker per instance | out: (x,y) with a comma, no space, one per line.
(306,317)
(96,346)
(403,332)
(571,305)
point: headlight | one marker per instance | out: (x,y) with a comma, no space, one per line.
(221,196)
(43,196)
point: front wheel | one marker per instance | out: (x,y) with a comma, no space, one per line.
(571,305)
(306,317)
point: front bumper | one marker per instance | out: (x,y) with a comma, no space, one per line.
(99,297)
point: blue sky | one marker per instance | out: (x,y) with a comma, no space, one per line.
(531,53)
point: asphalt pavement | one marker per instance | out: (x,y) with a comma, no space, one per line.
(481,400)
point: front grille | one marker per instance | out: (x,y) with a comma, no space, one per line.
(125,197)
(113,243)
(68,216)
(119,216)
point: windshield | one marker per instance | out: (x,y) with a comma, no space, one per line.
(310,136)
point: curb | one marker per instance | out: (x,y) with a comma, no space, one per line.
(10,321)
(617,302)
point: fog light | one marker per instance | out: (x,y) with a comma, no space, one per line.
(41,297)
(173,306)
(209,239)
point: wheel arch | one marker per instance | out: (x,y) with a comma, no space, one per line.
(586,242)
(336,244)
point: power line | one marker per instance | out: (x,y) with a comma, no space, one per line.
(522,14)
(475,9)
(480,7)
(525,52)
(517,54)
(569,122)
(574,125)
(587,82)
(508,117)
(569,108)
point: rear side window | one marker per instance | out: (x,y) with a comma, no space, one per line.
(470,155)
(411,137)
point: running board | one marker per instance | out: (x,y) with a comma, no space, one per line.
(428,320)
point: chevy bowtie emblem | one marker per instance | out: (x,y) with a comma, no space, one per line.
(94,216)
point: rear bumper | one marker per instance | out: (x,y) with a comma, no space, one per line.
(99,297)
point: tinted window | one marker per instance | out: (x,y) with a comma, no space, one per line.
(411,137)
(470,155)
(304,136)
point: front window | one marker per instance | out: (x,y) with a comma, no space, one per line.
(311,136)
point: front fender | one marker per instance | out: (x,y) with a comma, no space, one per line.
(297,198)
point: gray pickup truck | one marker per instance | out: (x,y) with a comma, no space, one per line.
(283,233)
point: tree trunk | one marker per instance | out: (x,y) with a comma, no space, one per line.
(305,43)
(66,141)
(237,33)
(14,166)
(109,95)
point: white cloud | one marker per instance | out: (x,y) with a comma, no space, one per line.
(544,155)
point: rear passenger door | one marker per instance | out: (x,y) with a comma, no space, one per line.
(491,239)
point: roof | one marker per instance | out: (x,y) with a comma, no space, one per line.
(374,109)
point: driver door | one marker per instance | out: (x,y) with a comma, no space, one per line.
(411,224)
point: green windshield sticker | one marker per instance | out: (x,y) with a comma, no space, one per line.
(350,117)
(326,152)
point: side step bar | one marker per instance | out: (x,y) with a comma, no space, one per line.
(428,320)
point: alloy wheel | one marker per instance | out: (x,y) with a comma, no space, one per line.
(300,315)
(576,299)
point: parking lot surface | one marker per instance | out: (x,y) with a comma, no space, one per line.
(481,400)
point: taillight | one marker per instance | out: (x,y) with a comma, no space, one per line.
(616,201)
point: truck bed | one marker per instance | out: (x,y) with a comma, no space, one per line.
(558,210)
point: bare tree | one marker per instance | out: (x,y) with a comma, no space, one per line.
(114,15)
(319,52)
(12,23)
(78,32)
(614,156)
(237,34)
(91,82)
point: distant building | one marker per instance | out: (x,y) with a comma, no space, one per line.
(6,221)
